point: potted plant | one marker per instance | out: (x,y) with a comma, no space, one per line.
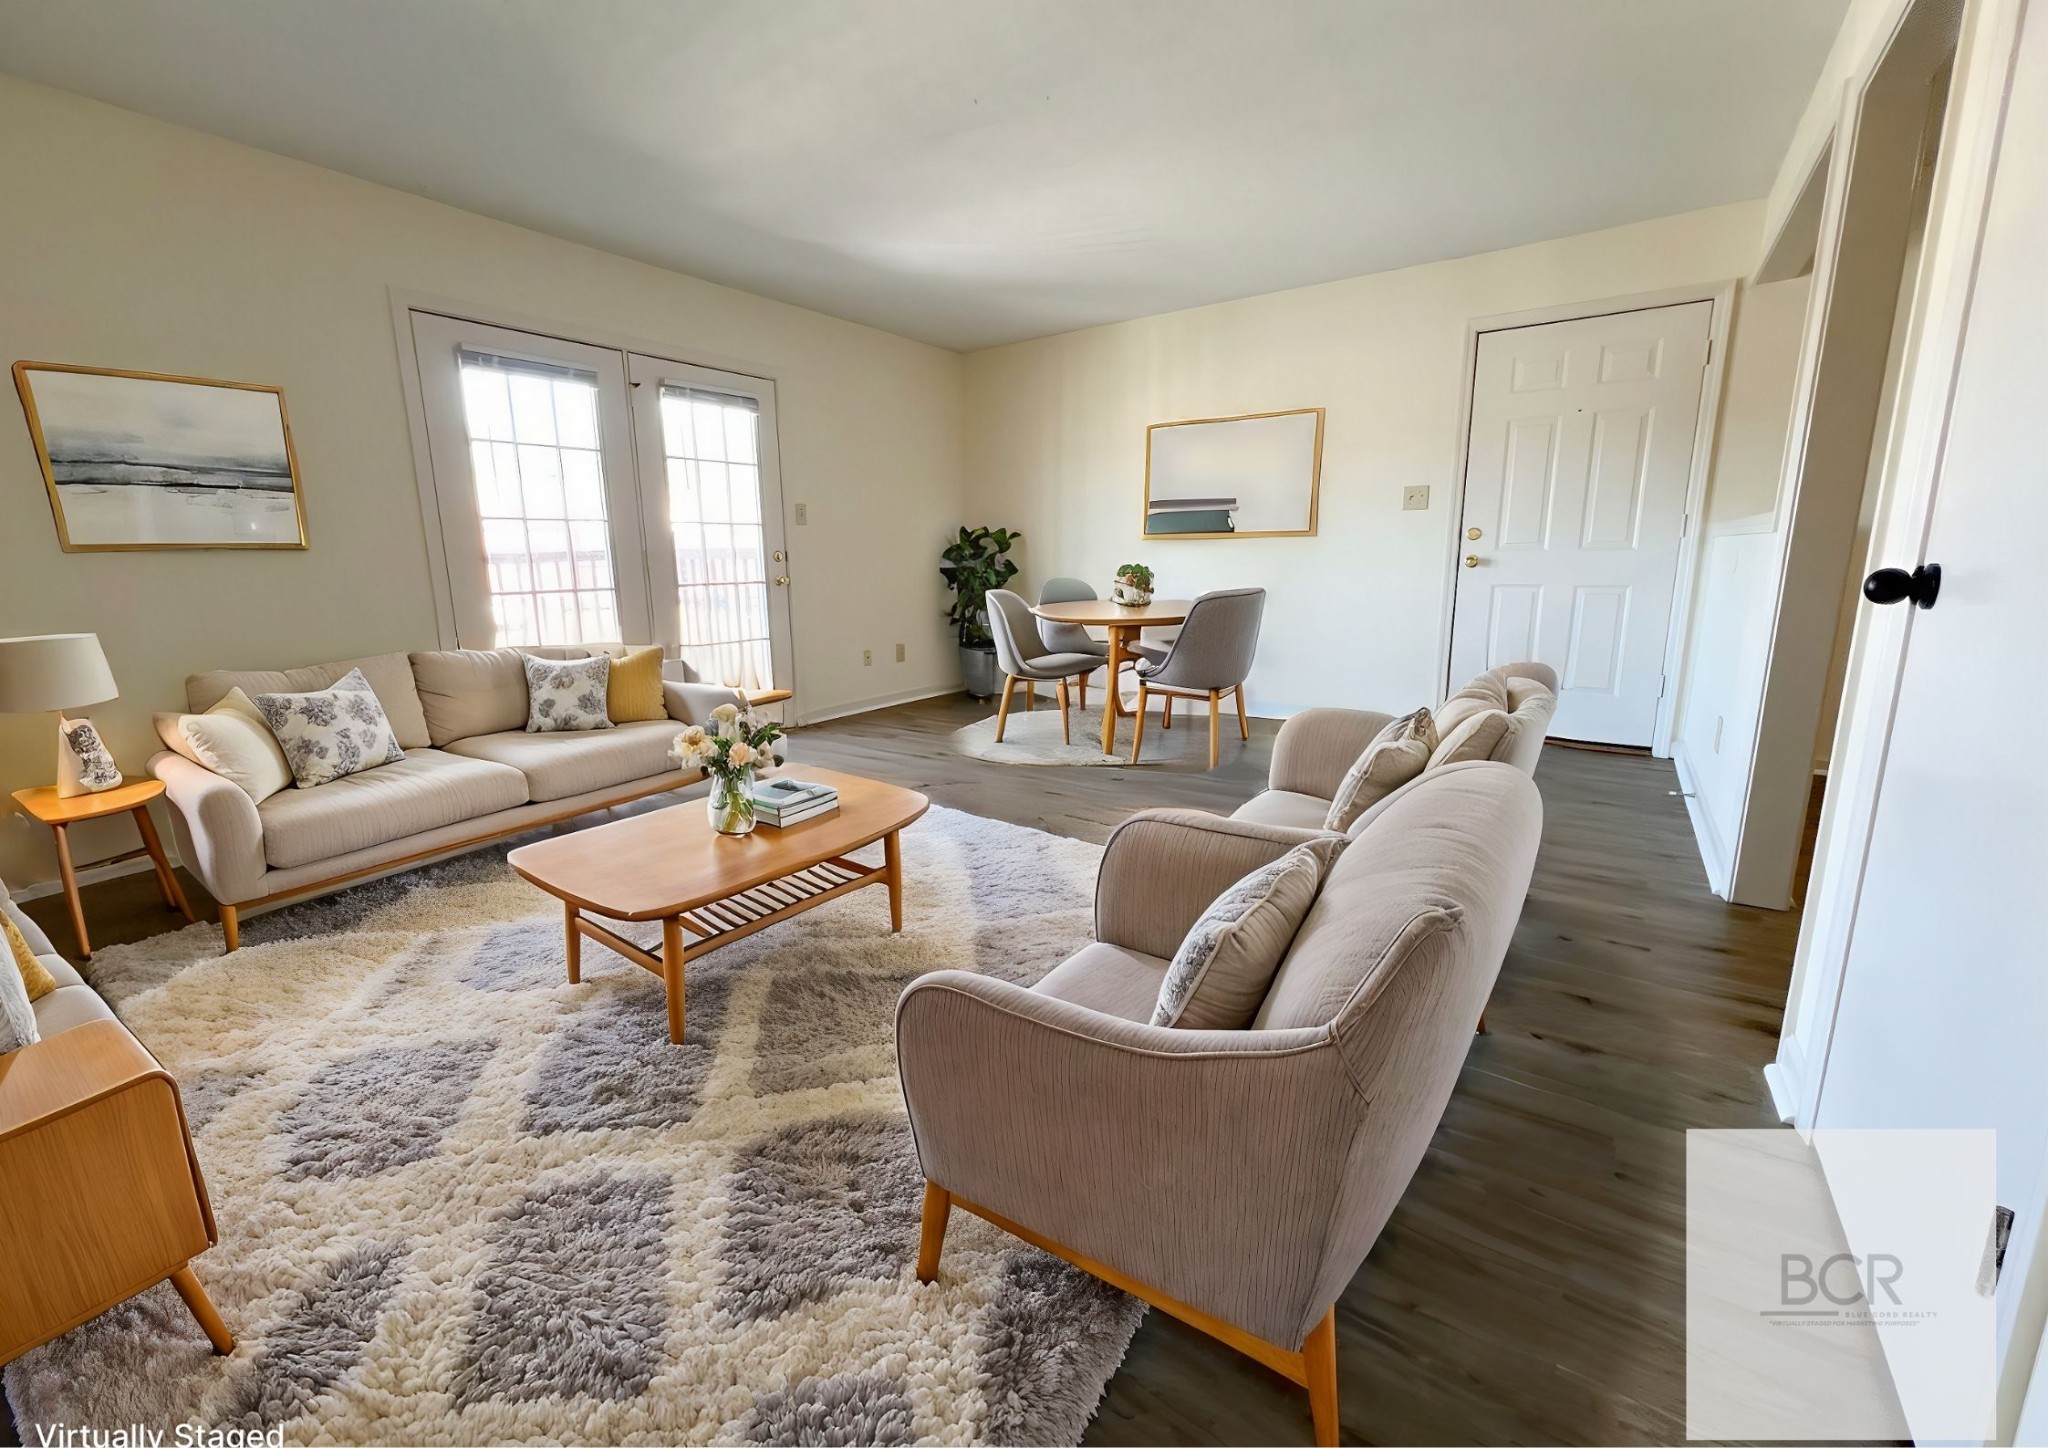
(1132,587)
(976,561)
(730,751)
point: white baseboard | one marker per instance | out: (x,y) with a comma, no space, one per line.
(885,701)
(92,876)
(1713,854)
(1784,1091)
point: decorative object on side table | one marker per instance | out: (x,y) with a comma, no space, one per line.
(1132,587)
(142,460)
(730,751)
(53,673)
(976,561)
(784,802)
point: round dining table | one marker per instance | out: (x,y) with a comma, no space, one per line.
(1122,622)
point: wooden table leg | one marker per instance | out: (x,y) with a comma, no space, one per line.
(166,880)
(892,857)
(70,878)
(1112,702)
(202,1310)
(672,974)
(570,915)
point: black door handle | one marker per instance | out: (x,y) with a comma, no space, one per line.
(1892,585)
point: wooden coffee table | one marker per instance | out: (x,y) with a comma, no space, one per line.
(673,867)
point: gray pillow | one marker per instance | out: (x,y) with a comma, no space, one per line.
(17,1016)
(567,694)
(1220,974)
(331,732)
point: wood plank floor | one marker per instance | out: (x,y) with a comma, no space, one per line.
(1530,1288)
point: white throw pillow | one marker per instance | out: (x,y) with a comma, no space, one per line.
(1220,974)
(17,1016)
(566,693)
(331,732)
(234,741)
(1396,755)
(1483,736)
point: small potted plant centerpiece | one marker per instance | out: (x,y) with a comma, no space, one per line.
(734,746)
(1132,587)
(976,561)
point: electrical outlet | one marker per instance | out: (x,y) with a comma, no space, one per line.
(1415,499)
(803,515)
(867,658)
(899,653)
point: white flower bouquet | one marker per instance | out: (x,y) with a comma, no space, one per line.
(730,750)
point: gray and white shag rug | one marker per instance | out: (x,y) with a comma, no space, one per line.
(462,1201)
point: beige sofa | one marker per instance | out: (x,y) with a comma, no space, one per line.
(471,774)
(1316,747)
(1235,1178)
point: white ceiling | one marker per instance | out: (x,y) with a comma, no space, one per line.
(978,171)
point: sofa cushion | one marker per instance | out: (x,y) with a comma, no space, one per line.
(559,765)
(422,791)
(466,692)
(35,976)
(1487,691)
(389,676)
(1284,807)
(68,1006)
(1396,755)
(18,1017)
(233,740)
(1485,735)
(1220,973)
(32,932)
(566,696)
(1108,978)
(633,690)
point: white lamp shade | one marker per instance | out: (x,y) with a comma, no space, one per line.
(53,671)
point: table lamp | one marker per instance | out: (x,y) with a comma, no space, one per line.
(56,672)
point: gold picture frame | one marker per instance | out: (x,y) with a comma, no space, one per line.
(152,461)
(1283,449)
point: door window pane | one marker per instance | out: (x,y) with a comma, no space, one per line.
(539,481)
(712,443)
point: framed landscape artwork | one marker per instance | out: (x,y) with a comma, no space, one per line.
(139,460)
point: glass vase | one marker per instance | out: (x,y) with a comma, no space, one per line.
(731,802)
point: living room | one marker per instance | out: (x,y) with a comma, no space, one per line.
(1356,578)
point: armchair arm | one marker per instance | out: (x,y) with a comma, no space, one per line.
(1201,1163)
(1163,867)
(691,703)
(1317,746)
(219,832)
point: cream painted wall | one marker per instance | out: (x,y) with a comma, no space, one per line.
(130,243)
(1056,437)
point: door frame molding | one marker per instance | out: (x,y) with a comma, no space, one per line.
(404,302)
(1678,629)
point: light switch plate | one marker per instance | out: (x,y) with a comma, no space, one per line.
(1416,498)
(803,515)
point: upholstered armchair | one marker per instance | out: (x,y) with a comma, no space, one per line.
(1235,1179)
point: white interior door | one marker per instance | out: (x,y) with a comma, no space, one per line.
(1943,1004)
(711,486)
(534,491)
(1575,483)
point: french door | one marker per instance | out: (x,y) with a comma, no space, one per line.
(711,494)
(581,494)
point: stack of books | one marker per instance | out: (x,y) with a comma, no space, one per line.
(782,801)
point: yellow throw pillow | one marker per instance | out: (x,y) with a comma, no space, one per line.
(633,694)
(34,974)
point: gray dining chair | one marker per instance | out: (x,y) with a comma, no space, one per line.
(1071,638)
(1212,655)
(1025,658)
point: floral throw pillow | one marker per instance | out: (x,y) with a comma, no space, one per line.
(1220,974)
(333,732)
(566,694)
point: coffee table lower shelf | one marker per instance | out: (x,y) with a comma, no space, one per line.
(720,922)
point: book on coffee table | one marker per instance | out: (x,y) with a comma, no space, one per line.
(784,801)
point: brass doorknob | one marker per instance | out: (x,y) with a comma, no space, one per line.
(1471,560)
(1472,533)
(783,581)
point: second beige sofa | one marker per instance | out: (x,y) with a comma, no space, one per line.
(471,774)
